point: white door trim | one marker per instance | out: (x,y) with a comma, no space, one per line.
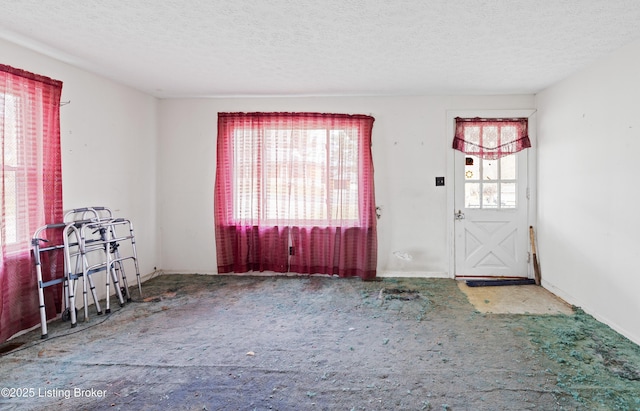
(450,174)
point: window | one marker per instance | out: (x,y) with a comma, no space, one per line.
(12,173)
(491,163)
(30,190)
(490,184)
(295,181)
(305,176)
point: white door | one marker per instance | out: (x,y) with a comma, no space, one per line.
(491,207)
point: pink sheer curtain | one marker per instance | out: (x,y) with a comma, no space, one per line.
(31,192)
(491,138)
(294,192)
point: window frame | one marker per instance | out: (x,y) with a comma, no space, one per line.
(330,208)
(20,172)
(481,180)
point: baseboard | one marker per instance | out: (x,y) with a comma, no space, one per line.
(381,274)
(413,274)
(584,307)
(183,272)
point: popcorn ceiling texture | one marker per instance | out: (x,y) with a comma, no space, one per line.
(172,48)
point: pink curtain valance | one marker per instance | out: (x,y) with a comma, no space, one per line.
(491,138)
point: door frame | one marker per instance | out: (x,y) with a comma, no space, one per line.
(450,174)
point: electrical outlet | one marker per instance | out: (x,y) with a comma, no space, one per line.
(439,181)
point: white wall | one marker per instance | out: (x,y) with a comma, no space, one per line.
(109,147)
(588,162)
(410,148)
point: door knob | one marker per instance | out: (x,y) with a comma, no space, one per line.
(459,215)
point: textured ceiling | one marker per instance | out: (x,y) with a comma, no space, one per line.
(174,48)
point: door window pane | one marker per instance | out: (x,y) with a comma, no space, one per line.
(508,195)
(490,195)
(508,167)
(472,195)
(490,170)
(472,168)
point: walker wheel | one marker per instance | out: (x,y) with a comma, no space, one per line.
(66,314)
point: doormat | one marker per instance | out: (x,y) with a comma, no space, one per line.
(487,283)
